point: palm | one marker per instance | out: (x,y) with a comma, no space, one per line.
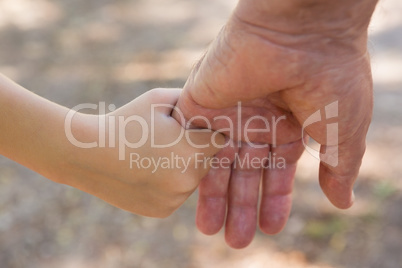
(271,81)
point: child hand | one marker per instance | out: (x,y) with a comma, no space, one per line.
(146,162)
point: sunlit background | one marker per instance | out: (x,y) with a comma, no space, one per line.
(76,51)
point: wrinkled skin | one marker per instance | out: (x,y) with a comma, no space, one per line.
(276,73)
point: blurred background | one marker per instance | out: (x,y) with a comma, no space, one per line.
(75,51)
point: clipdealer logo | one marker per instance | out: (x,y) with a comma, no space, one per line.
(117,124)
(330,156)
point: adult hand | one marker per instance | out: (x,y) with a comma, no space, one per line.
(281,58)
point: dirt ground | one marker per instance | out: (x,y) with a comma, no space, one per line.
(73,52)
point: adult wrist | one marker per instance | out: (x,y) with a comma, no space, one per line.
(292,22)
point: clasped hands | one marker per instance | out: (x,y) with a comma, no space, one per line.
(277,73)
(267,82)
